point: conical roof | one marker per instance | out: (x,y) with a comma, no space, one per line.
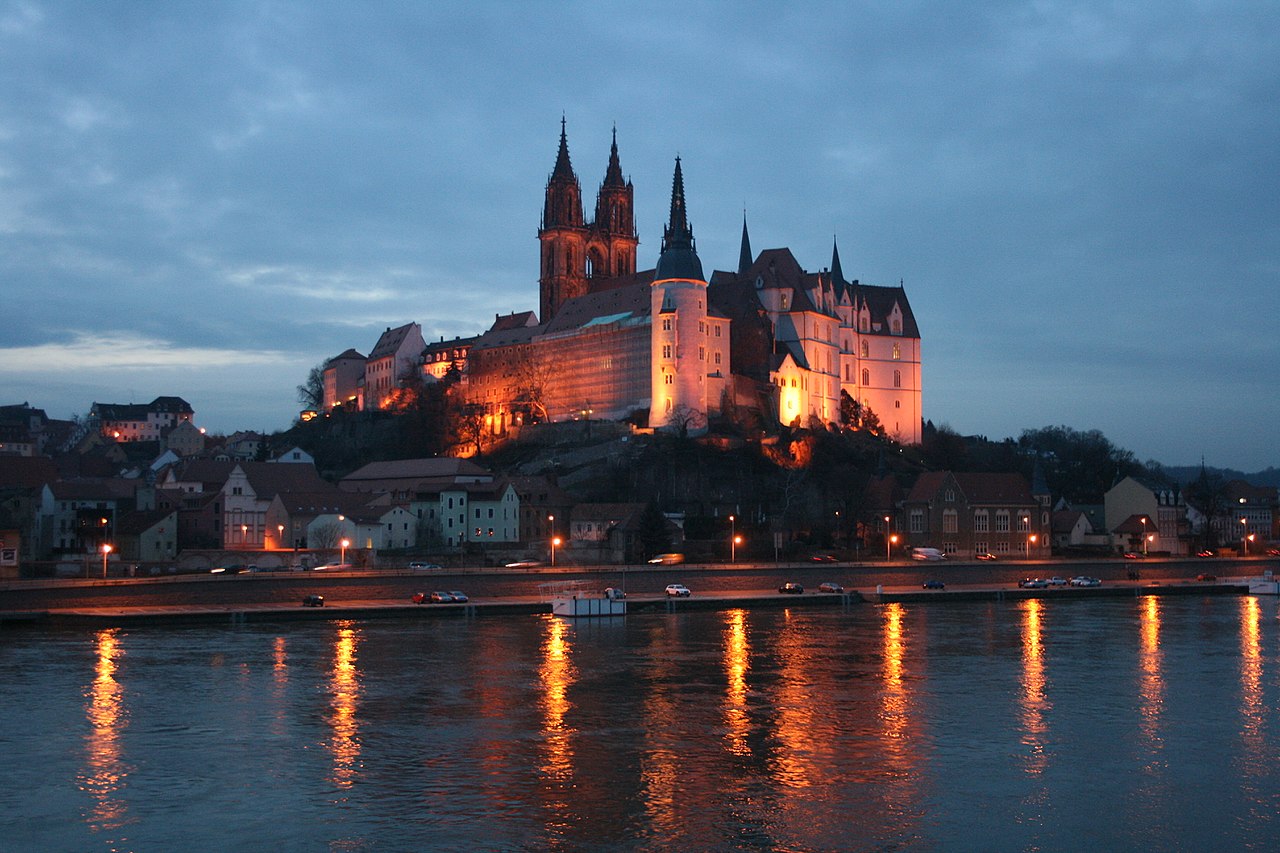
(679,258)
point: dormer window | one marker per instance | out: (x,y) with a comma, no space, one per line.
(786,302)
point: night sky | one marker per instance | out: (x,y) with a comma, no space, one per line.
(208,199)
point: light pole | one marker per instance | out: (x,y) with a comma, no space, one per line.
(1031,543)
(280,536)
(1144,535)
(555,540)
(1244,535)
(887,537)
(733,539)
(733,549)
(344,543)
(106,549)
(244,536)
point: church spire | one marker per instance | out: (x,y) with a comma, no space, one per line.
(563,205)
(745,257)
(613,175)
(563,169)
(679,258)
(837,275)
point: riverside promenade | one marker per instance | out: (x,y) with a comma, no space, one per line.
(350,605)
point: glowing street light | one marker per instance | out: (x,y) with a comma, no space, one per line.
(887,539)
(106,549)
(280,536)
(1144,535)
(555,540)
(1031,544)
(733,539)
(344,543)
(1244,533)
(733,549)
(244,535)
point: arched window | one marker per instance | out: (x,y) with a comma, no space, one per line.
(897,379)
(897,351)
(866,377)
(866,350)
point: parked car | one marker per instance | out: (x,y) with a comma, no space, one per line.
(985,555)
(1082,580)
(678,590)
(458,596)
(1033,583)
(830,587)
(1130,555)
(1057,581)
(1273,552)
(524,564)
(933,585)
(790,588)
(418,565)
(333,567)
(667,560)
(233,569)
(1204,576)
(439,597)
(1207,552)
(824,558)
(614,594)
(313,601)
(421,598)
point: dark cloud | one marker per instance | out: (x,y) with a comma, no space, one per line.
(1080,197)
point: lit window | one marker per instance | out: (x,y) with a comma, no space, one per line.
(667,379)
(666,350)
(897,351)
(866,350)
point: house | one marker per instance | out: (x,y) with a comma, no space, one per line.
(147,536)
(247,495)
(185,439)
(393,359)
(295,455)
(79,517)
(344,380)
(1071,529)
(1252,514)
(1139,512)
(967,513)
(140,422)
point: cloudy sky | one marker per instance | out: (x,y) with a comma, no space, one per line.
(207,199)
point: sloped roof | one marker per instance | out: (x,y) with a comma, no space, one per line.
(93,490)
(391,341)
(976,487)
(349,355)
(1064,520)
(515,320)
(1133,524)
(406,469)
(26,472)
(135,523)
(629,302)
(269,479)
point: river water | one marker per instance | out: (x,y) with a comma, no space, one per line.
(1117,724)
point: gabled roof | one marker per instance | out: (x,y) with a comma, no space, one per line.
(391,341)
(136,523)
(26,472)
(409,469)
(1133,524)
(210,473)
(269,479)
(1065,520)
(515,320)
(349,355)
(975,487)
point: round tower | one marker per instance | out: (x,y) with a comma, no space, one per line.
(678,305)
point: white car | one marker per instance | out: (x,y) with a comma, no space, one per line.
(678,590)
(1085,581)
(1057,581)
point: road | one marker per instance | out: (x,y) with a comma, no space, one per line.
(287,588)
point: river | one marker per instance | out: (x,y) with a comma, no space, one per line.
(1119,724)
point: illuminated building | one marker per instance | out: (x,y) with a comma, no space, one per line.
(141,421)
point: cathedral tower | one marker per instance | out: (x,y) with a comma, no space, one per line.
(575,251)
(678,305)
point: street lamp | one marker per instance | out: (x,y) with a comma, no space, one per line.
(344,543)
(886,538)
(733,549)
(893,540)
(280,536)
(1031,543)
(1144,535)
(733,539)
(244,535)
(106,549)
(555,540)
(1244,533)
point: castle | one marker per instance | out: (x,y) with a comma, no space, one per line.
(668,347)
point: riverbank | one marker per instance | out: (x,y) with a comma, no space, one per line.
(358,609)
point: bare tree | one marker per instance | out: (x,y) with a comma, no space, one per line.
(311,392)
(325,536)
(534,381)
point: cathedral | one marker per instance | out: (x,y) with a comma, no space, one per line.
(670,347)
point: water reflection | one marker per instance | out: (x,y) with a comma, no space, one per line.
(1150,678)
(344,687)
(795,701)
(899,757)
(1034,701)
(104,773)
(557,674)
(280,681)
(1252,706)
(737,660)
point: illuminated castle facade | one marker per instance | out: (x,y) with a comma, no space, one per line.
(671,348)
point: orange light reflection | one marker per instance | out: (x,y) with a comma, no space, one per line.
(344,685)
(1034,701)
(557,674)
(1150,677)
(1253,710)
(795,704)
(104,773)
(895,700)
(737,660)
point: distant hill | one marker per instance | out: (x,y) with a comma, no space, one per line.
(1187,473)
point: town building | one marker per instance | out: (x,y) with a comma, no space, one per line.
(344,380)
(396,358)
(966,514)
(140,422)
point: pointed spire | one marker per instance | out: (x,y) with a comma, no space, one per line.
(613,175)
(744,254)
(837,275)
(679,257)
(563,169)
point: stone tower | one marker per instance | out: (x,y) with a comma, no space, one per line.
(574,251)
(678,303)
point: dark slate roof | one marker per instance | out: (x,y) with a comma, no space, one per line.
(390,342)
(270,479)
(976,488)
(350,355)
(515,320)
(26,472)
(627,303)
(679,257)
